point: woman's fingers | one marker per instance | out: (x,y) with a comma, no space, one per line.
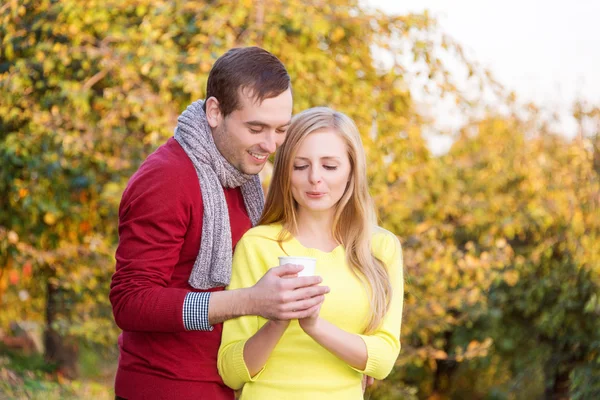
(307,313)
(304,304)
(299,313)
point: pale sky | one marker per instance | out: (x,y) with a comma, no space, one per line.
(546,51)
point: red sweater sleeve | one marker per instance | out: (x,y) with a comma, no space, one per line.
(153,220)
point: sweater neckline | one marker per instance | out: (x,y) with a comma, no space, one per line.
(312,251)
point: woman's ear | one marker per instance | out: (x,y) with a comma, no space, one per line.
(213,112)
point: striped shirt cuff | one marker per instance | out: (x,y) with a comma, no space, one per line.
(195,311)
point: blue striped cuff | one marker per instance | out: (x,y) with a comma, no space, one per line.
(195,311)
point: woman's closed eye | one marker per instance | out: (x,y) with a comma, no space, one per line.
(327,167)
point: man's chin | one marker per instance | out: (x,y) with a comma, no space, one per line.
(252,169)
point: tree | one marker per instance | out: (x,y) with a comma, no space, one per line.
(91,88)
(501,235)
(503,264)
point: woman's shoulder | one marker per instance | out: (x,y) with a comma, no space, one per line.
(270,231)
(385,244)
(381,235)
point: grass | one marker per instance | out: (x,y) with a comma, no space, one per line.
(30,377)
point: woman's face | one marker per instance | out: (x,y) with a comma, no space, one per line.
(320,171)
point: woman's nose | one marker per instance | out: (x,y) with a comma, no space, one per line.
(314,176)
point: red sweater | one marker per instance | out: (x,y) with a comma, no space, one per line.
(160,226)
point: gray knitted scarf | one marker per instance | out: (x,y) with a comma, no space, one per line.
(213,263)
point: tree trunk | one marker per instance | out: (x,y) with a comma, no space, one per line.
(59,350)
(560,388)
(444,373)
(557,374)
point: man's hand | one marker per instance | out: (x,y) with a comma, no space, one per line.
(281,295)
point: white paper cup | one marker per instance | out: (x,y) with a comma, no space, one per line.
(308,263)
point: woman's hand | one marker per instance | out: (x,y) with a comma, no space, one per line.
(310,323)
(259,347)
(280,323)
(347,346)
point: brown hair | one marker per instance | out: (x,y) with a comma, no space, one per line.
(354,221)
(246,68)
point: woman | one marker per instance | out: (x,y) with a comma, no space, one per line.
(318,206)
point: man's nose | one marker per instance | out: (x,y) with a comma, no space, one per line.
(270,143)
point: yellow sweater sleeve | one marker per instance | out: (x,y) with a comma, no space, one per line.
(246,271)
(383,345)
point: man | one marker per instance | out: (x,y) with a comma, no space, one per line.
(180,217)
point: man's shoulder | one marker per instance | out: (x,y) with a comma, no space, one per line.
(168,171)
(168,163)
(170,156)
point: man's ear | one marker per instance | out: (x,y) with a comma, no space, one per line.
(213,112)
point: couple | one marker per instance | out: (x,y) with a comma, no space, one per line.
(198,198)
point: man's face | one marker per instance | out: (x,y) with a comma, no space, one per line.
(247,136)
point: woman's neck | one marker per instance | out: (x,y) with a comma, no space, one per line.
(315,230)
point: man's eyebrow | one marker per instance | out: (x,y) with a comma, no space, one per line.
(265,125)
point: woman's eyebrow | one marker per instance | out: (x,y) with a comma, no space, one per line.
(333,158)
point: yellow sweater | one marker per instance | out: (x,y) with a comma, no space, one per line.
(299,368)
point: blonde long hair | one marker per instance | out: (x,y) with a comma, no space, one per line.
(354,219)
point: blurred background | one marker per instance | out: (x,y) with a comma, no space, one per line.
(481,122)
